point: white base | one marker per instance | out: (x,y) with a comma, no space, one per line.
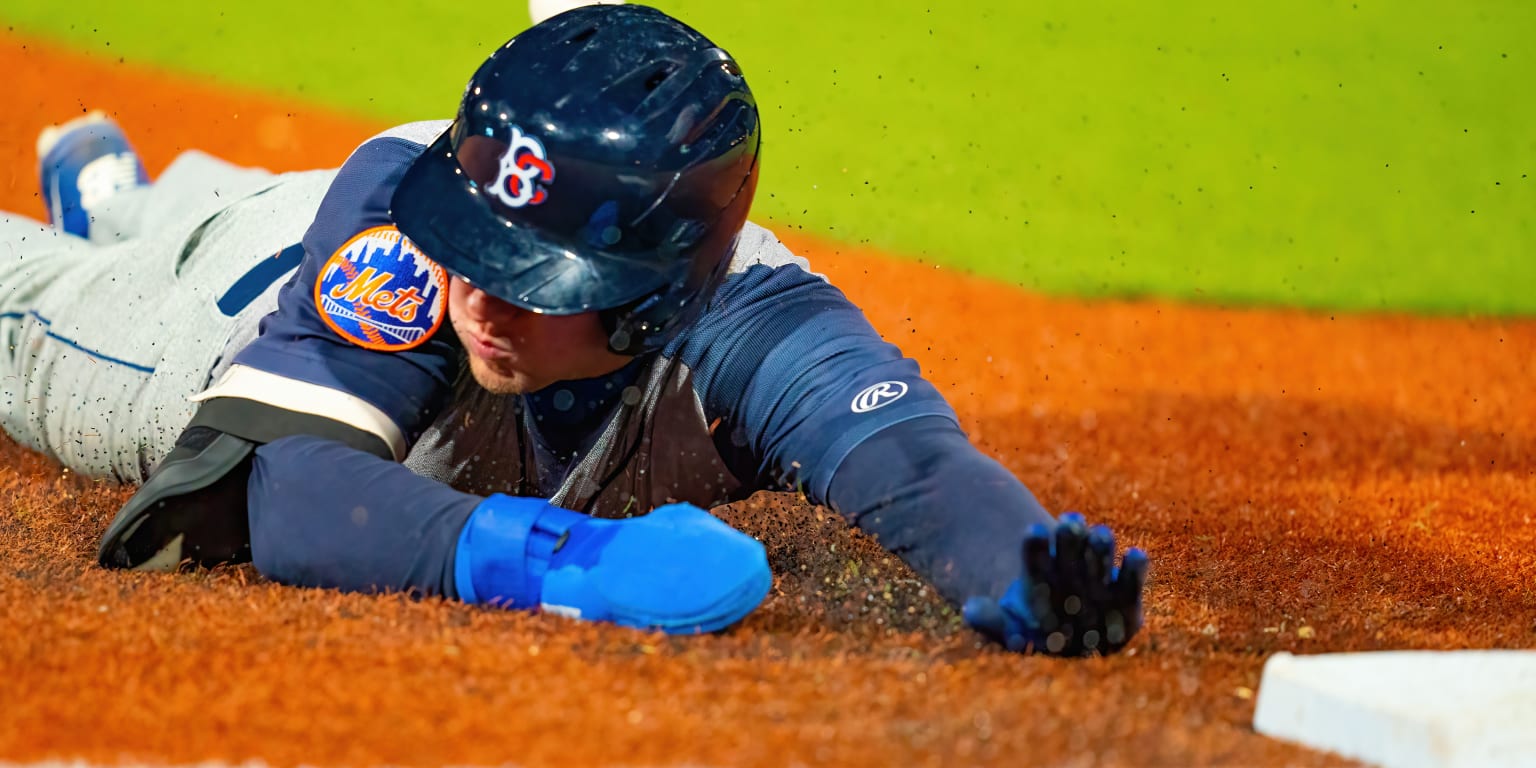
(1405,709)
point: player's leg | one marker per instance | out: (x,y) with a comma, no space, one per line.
(70,378)
(84,166)
(33,256)
(105,343)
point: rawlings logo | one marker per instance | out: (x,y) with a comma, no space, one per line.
(878,396)
(524,167)
(379,291)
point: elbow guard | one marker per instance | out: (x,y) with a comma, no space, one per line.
(193,507)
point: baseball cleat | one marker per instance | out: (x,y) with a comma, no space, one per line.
(81,164)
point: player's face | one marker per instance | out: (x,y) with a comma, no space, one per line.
(512,350)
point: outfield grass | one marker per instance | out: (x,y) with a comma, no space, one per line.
(1363,155)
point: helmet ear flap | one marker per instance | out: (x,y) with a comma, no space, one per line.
(626,332)
(646,324)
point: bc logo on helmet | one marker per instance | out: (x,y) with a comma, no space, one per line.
(525,167)
(379,291)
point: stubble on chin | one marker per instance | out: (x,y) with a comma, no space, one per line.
(497,383)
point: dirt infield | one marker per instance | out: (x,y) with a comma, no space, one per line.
(1303,482)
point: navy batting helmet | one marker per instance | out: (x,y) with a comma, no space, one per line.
(603,160)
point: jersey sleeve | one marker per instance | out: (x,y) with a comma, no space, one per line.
(359,334)
(364,524)
(797,374)
(819,402)
(954,514)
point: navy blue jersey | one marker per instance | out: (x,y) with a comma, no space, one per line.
(781,384)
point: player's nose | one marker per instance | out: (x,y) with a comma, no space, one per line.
(490,310)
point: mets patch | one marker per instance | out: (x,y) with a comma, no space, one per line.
(379,291)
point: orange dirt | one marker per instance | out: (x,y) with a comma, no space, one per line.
(1303,482)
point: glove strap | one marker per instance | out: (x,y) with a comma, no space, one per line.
(505,548)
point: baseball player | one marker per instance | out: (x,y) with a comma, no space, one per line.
(508,359)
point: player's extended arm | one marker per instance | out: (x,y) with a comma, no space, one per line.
(958,517)
(925,492)
(823,404)
(323,514)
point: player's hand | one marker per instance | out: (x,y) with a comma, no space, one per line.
(1072,600)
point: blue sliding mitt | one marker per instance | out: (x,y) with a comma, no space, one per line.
(678,569)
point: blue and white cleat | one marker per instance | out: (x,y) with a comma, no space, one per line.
(81,164)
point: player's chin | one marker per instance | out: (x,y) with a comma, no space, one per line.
(500,380)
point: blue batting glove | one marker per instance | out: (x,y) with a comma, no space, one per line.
(678,569)
(1072,599)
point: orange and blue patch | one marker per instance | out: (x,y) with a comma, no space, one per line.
(380,292)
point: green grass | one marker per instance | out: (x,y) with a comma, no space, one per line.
(1355,155)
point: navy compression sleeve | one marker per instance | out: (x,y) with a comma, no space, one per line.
(953,514)
(326,515)
(819,401)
